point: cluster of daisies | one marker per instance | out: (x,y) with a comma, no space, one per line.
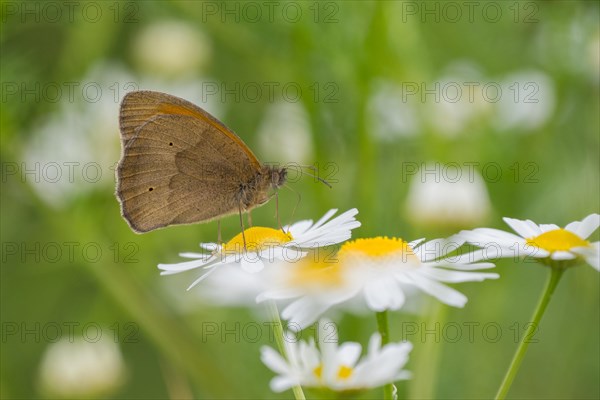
(299,267)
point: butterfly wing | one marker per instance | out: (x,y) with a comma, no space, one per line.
(179,166)
(139,107)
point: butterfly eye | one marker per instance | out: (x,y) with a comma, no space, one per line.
(282,175)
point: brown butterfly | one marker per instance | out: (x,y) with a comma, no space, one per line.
(181,165)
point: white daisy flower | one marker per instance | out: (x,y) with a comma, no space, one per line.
(77,368)
(433,200)
(336,367)
(268,244)
(380,270)
(548,242)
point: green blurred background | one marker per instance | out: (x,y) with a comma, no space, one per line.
(368,91)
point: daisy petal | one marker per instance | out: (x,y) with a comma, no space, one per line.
(403,375)
(482,236)
(415,243)
(327,232)
(349,352)
(374,344)
(298,228)
(526,229)
(591,254)
(586,227)
(382,366)
(383,295)
(279,294)
(562,255)
(548,227)
(281,383)
(325,217)
(302,313)
(464,267)
(210,246)
(437,248)
(184,266)
(251,262)
(273,360)
(194,255)
(444,275)
(441,292)
(201,278)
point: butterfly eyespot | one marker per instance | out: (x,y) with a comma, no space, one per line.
(150,189)
(170,143)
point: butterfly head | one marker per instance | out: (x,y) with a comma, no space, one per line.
(277,176)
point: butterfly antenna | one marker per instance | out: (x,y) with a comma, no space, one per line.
(313,175)
(297,203)
(320,179)
(311,167)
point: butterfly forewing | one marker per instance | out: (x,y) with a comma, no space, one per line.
(139,107)
(179,167)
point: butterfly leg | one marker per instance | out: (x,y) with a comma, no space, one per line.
(242,225)
(277,211)
(249,219)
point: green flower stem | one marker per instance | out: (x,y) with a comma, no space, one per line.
(551,284)
(382,326)
(279,338)
(384,331)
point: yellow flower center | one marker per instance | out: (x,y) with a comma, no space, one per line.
(344,372)
(257,238)
(308,272)
(377,247)
(318,371)
(557,240)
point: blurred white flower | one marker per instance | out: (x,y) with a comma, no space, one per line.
(172,49)
(80,368)
(390,113)
(570,45)
(461,99)
(526,102)
(74,150)
(447,195)
(336,367)
(376,269)
(284,134)
(547,242)
(264,245)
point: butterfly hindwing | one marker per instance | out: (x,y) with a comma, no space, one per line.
(180,169)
